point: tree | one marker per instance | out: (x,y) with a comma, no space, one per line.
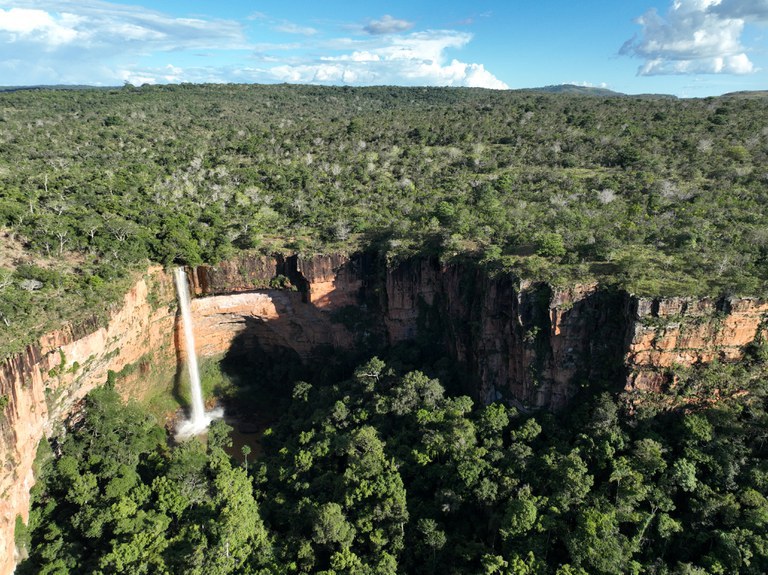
(434,538)
(330,527)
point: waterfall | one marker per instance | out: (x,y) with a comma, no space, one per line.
(198,418)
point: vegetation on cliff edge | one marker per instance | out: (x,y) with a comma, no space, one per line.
(659,196)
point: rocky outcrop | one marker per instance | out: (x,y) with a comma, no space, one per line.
(241,274)
(331,281)
(668,332)
(531,344)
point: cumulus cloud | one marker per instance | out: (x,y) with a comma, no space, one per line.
(418,58)
(99,42)
(694,37)
(387,25)
(63,41)
(585,84)
(92,24)
(170,74)
(20,24)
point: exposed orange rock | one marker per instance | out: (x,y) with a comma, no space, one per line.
(685,331)
(333,281)
(281,319)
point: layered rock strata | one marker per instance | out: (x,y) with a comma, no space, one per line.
(669,332)
(528,343)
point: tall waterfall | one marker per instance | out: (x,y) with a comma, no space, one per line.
(198,418)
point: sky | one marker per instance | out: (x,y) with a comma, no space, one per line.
(689,48)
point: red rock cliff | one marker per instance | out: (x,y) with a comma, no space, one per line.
(527,342)
(666,332)
(538,345)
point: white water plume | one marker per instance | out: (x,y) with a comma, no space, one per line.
(199,419)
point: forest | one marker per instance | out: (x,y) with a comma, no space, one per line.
(385,472)
(386,466)
(656,195)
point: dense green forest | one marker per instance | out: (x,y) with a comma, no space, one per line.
(385,473)
(657,195)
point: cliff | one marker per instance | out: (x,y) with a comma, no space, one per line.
(46,383)
(669,332)
(526,342)
(529,343)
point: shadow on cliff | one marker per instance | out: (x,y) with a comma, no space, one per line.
(264,366)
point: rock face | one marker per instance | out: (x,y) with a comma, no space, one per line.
(531,344)
(528,343)
(273,319)
(684,331)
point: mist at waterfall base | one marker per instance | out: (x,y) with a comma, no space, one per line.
(199,419)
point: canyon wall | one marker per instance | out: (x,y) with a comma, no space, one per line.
(528,343)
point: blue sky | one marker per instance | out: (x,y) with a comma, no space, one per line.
(689,48)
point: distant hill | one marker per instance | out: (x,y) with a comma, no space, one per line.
(556,89)
(56,87)
(579,90)
(747,94)
(568,89)
(574,90)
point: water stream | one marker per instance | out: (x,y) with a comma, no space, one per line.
(198,418)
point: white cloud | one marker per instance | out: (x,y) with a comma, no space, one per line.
(90,41)
(694,37)
(318,74)
(136,78)
(24,24)
(291,28)
(98,42)
(585,84)
(167,74)
(285,26)
(357,56)
(266,46)
(96,25)
(418,58)
(387,25)
(138,75)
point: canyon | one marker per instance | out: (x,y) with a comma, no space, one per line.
(530,344)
